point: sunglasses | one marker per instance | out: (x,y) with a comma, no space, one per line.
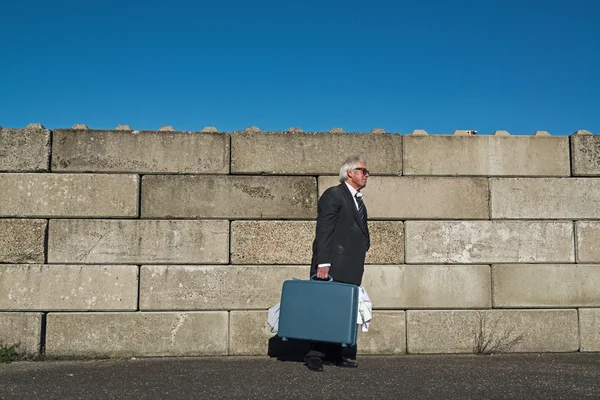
(364,170)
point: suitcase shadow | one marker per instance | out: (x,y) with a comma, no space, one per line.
(295,349)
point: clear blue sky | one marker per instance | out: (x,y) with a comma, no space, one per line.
(440,65)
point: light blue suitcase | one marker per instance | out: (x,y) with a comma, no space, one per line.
(321,311)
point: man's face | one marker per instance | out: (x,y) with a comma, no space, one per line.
(357,178)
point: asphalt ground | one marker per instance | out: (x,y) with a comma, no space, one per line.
(447,377)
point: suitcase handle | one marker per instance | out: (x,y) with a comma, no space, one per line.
(314,276)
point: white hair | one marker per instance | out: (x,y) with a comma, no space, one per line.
(348,165)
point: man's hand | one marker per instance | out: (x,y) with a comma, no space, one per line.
(323,272)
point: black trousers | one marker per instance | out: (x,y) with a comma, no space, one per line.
(324,351)
(330,352)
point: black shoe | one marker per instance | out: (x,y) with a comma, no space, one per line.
(314,363)
(345,363)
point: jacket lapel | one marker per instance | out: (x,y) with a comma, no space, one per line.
(350,203)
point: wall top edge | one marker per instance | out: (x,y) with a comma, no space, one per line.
(437,135)
(291,131)
(30,127)
(137,132)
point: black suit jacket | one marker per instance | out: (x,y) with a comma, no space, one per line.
(340,238)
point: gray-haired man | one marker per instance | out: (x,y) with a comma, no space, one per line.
(341,242)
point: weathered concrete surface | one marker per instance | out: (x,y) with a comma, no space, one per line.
(68,195)
(246,197)
(140,151)
(428,286)
(471,242)
(585,150)
(137,334)
(290,242)
(312,153)
(138,242)
(457,331)
(387,242)
(24,150)
(545,198)
(197,287)
(486,155)
(567,285)
(442,331)
(24,329)
(249,333)
(22,240)
(588,237)
(68,287)
(422,197)
(386,335)
(272,242)
(589,323)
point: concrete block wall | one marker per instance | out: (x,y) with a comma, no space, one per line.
(165,243)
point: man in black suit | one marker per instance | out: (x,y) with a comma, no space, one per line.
(341,243)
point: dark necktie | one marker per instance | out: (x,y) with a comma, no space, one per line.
(362,211)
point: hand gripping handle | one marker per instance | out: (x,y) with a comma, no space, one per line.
(314,278)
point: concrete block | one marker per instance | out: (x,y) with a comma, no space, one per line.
(312,153)
(545,198)
(486,155)
(477,242)
(68,195)
(68,287)
(272,242)
(588,237)
(195,287)
(585,151)
(140,151)
(582,132)
(422,197)
(24,329)
(268,242)
(387,242)
(249,333)
(22,240)
(492,331)
(428,286)
(35,126)
(386,335)
(233,197)
(123,334)
(138,242)
(24,150)
(589,329)
(573,285)
(441,331)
